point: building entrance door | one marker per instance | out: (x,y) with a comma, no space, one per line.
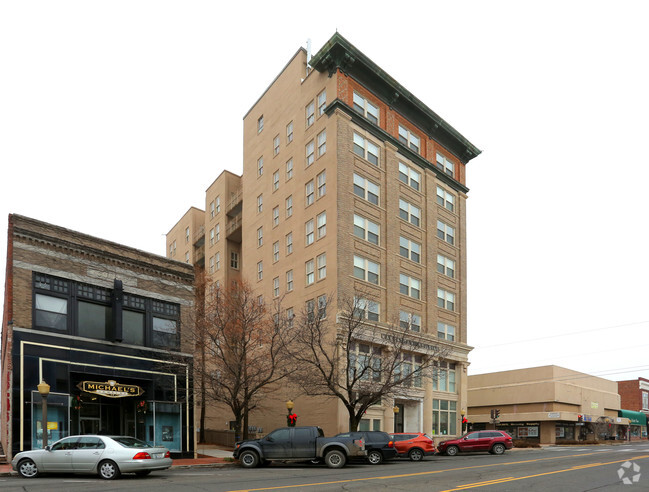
(399,418)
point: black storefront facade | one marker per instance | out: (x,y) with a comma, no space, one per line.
(87,382)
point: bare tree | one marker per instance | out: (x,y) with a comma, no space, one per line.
(241,351)
(355,358)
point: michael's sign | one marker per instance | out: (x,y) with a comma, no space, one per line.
(110,389)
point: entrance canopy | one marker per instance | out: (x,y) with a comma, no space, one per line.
(635,418)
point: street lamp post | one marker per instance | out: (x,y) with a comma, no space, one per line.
(290,418)
(44,390)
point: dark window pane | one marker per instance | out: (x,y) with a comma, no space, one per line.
(94,320)
(133,327)
(51,312)
(164,333)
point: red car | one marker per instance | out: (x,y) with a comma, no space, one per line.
(414,445)
(495,442)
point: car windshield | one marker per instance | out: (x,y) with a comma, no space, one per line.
(131,442)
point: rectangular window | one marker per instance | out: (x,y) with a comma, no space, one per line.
(309,192)
(410,286)
(275,251)
(212,237)
(165,333)
(289,133)
(308,232)
(212,210)
(276,145)
(366,149)
(51,312)
(366,309)
(289,206)
(218,204)
(275,216)
(310,272)
(409,176)
(444,418)
(276,287)
(322,266)
(289,169)
(322,102)
(187,234)
(445,165)
(366,189)
(322,306)
(289,243)
(217,233)
(321,222)
(260,166)
(409,213)
(321,180)
(409,321)
(367,270)
(211,264)
(406,137)
(187,257)
(276,180)
(290,316)
(234,260)
(260,236)
(446,266)
(260,270)
(444,377)
(217,261)
(445,232)
(260,123)
(366,108)
(260,203)
(133,327)
(289,281)
(310,114)
(445,299)
(322,142)
(310,153)
(409,249)
(445,199)
(366,229)
(445,332)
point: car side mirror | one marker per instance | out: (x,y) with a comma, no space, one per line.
(466,438)
(269,439)
(48,448)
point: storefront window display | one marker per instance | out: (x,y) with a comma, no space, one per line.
(57,418)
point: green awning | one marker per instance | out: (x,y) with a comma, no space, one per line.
(636,418)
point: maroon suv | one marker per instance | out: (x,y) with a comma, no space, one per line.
(496,442)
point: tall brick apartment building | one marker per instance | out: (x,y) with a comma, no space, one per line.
(349,183)
(102,324)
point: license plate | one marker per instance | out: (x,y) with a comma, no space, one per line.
(157,455)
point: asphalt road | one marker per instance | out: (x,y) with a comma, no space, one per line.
(564,469)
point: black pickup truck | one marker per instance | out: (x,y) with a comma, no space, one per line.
(298,444)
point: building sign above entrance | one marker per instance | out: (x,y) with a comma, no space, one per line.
(110,389)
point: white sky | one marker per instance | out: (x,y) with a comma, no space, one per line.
(116,116)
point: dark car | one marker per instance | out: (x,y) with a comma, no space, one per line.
(414,445)
(378,445)
(495,442)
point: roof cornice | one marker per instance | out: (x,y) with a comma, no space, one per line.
(340,54)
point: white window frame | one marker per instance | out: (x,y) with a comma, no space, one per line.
(309,232)
(276,287)
(445,299)
(217,232)
(276,145)
(211,264)
(218,204)
(408,138)
(212,237)
(446,266)
(322,142)
(289,206)
(309,192)
(367,229)
(276,180)
(289,132)
(309,150)
(321,180)
(446,165)
(309,269)
(275,251)
(234,260)
(369,310)
(445,331)
(260,270)
(409,176)
(212,210)
(260,236)
(289,281)
(260,124)
(260,166)
(366,149)
(365,189)
(412,212)
(321,224)
(445,199)
(322,102)
(363,106)
(410,286)
(217,260)
(309,112)
(260,203)
(412,249)
(446,232)
(289,169)
(410,321)
(276,216)
(371,270)
(289,243)
(321,264)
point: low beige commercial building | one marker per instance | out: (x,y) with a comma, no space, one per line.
(548,404)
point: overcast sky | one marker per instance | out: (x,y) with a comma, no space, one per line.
(116,116)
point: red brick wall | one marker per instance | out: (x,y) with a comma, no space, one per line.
(630,395)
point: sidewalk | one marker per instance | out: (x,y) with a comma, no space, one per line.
(209,455)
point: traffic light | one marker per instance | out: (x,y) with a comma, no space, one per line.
(493,414)
(496,413)
(580,418)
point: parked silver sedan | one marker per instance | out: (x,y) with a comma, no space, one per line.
(109,456)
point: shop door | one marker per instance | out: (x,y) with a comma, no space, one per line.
(399,418)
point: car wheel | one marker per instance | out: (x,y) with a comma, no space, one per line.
(498,448)
(108,470)
(143,473)
(249,459)
(335,459)
(416,454)
(27,469)
(374,457)
(451,451)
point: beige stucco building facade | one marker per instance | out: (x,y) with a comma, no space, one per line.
(350,183)
(545,404)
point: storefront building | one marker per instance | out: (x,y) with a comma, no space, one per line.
(102,324)
(548,405)
(634,397)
